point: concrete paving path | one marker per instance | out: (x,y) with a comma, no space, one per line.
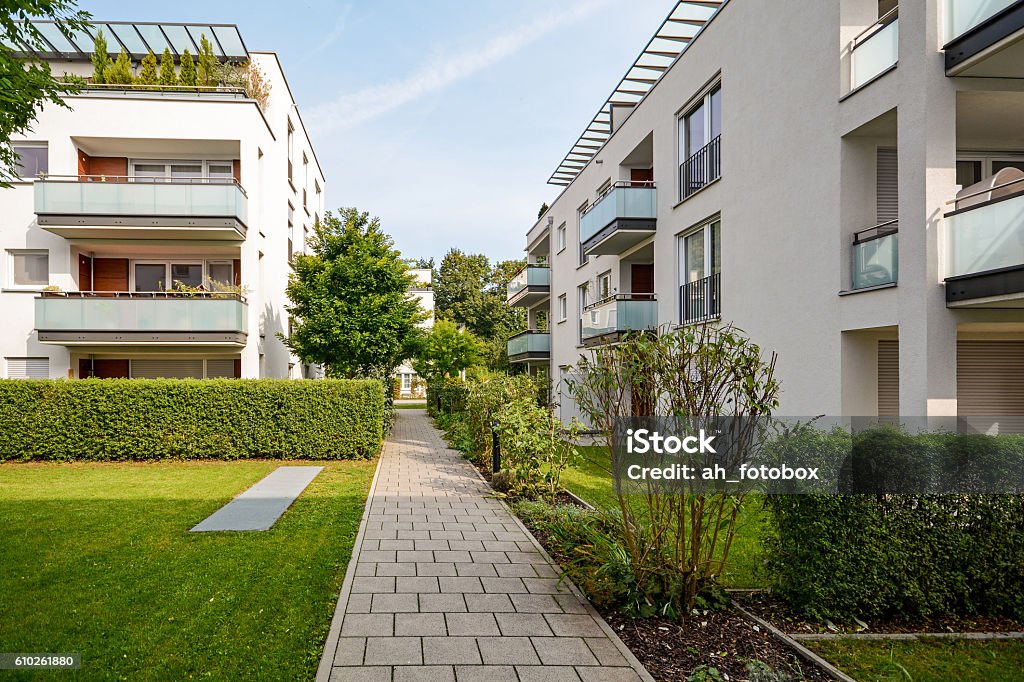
(445,584)
(259,507)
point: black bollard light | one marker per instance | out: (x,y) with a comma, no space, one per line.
(495,448)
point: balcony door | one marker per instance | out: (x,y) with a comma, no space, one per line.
(700,266)
(641,278)
(163,276)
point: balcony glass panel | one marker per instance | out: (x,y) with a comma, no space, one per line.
(140,314)
(530,276)
(140,199)
(619,315)
(876,262)
(963,15)
(529,342)
(985,237)
(875,54)
(620,202)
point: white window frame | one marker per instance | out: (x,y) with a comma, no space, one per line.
(167,269)
(35,144)
(683,152)
(583,258)
(560,238)
(987,159)
(11,253)
(682,276)
(563,308)
(406,382)
(604,285)
(167,163)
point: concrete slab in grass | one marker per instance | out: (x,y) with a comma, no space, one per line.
(259,507)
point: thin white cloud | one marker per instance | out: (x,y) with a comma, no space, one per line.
(336,30)
(353,108)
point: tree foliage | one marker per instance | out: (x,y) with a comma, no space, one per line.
(208,64)
(188,75)
(446,351)
(99,58)
(167,74)
(119,71)
(148,72)
(350,299)
(25,84)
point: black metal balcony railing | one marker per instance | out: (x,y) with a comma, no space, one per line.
(702,168)
(700,301)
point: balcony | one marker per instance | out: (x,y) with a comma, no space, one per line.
(106,207)
(529,346)
(701,300)
(141,319)
(530,286)
(876,256)
(622,217)
(984,38)
(702,168)
(875,50)
(984,245)
(606,321)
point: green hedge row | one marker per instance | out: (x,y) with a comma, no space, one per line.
(889,555)
(143,419)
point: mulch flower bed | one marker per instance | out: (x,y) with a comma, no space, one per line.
(774,610)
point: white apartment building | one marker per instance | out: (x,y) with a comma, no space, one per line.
(843,180)
(132,191)
(411,384)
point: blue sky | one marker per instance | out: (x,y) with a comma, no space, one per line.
(444,118)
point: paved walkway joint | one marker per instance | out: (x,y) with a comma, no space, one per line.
(445,584)
(259,507)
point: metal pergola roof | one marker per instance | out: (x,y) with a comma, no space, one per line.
(678,30)
(138,38)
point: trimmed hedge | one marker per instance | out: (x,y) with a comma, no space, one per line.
(886,554)
(154,419)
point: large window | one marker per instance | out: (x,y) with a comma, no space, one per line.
(700,129)
(183,170)
(584,258)
(563,311)
(973,168)
(28,269)
(165,275)
(700,267)
(33,158)
(560,238)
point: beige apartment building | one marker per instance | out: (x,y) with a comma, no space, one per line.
(843,180)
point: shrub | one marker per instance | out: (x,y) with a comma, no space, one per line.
(147,72)
(167,73)
(99,58)
(208,62)
(534,450)
(119,72)
(889,552)
(138,419)
(188,76)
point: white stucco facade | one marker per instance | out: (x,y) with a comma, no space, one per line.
(815,174)
(411,384)
(98,231)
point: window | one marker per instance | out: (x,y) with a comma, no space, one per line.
(222,272)
(28,368)
(163,276)
(700,129)
(406,382)
(33,158)
(584,258)
(583,300)
(305,177)
(563,311)
(604,285)
(560,237)
(973,168)
(217,171)
(700,266)
(291,142)
(28,269)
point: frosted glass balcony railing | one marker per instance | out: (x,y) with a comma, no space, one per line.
(529,343)
(622,313)
(876,256)
(127,313)
(875,52)
(985,237)
(143,197)
(621,201)
(961,16)
(530,276)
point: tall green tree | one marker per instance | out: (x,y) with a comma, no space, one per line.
(209,67)
(188,75)
(167,74)
(147,74)
(119,72)
(446,351)
(26,85)
(99,58)
(350,299)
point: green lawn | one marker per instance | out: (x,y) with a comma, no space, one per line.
(97,560)
(591,480)
(930,660)
(411,406)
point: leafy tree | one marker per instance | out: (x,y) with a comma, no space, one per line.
(543,209)
(350,301)
(167,74)
(119,72)
(208,64)
(26,85)
(424,263)
(446,351)
(99,58)
(187,75)
(147,74)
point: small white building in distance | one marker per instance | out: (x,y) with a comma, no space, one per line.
(411,384)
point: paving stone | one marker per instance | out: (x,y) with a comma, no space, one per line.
(397,544)
(418,584)
(466,545)
(358,603)
(573,625)
(435,569)
(430,544)
(563,651)
(607,674)
(395,569)
(415,555)
(368,625)
(393,651)
(424,673)
(366,569)
(450,650)
(485,673)
(523,625)
(489,603)
(570,603)
(475,569)
(535,603)
(461,585)
(394,603)
(489,557)
(606,651)
(372,585)
(526,558)
(515,570)
(453,556)
(471,625)
(420,625)
(547,673)
(350,651)
(546,586)
(364,674)
(379,556)
(507,651)
(443,603)
(504,585)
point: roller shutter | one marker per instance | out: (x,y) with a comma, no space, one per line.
(28,368)
(887,188)
(990,378)
(220,369)
(167,369)
(888,378)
